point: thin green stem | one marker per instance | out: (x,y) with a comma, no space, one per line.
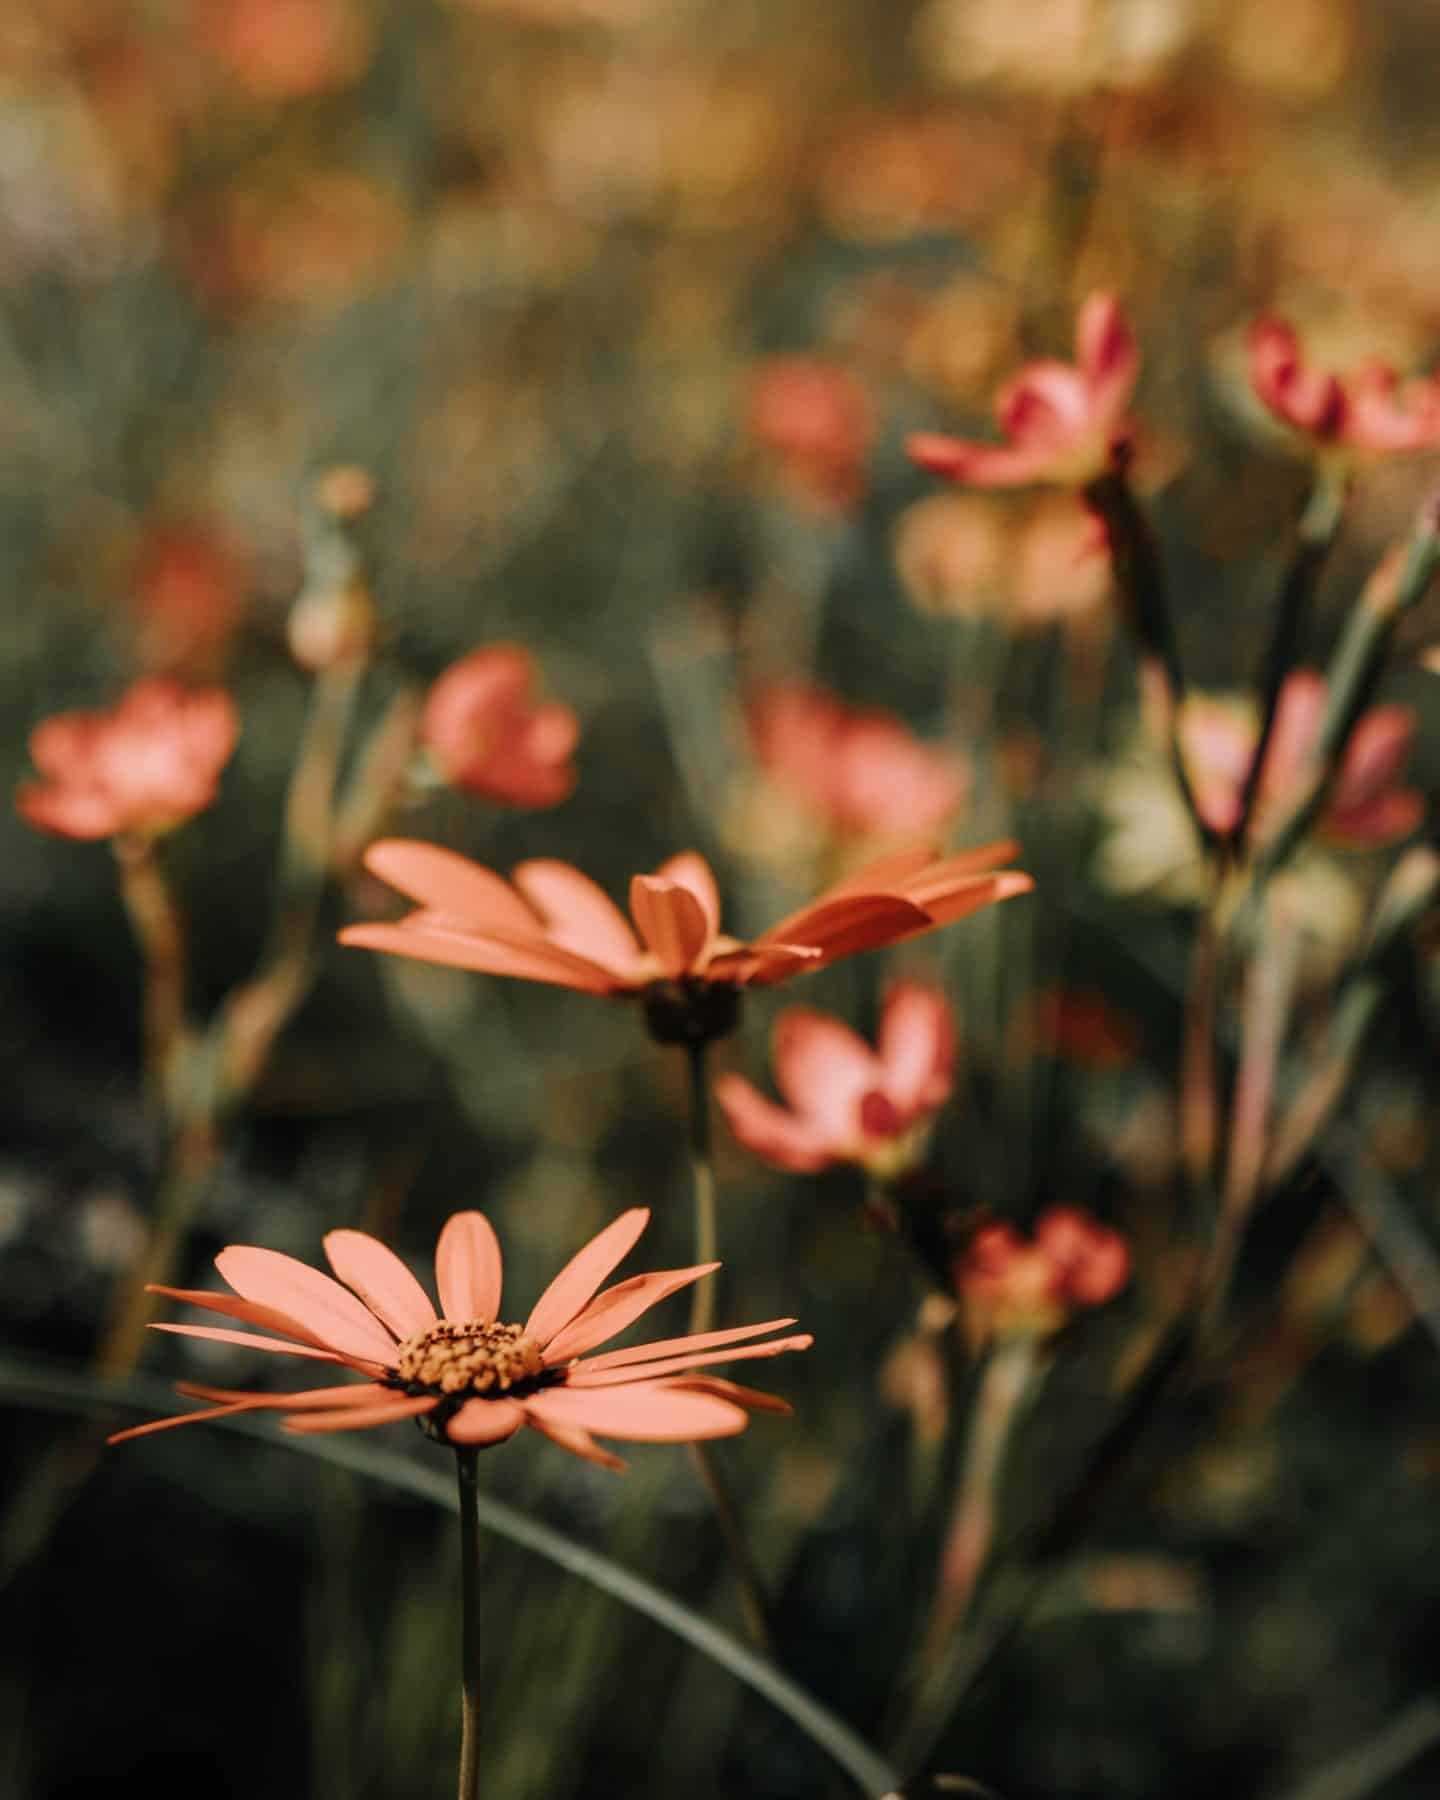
(465,1464)
(702,1176)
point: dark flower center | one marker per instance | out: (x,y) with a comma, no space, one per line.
(690,1011)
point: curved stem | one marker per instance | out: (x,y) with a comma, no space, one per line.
(465,1461)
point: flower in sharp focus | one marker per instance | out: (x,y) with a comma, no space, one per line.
(469,1377)
(143,767)
(847,1103)
(485,732)
(1367,807)
(1017,1287)
(860,771)
(551,923)
(1062,422)
(1367,411)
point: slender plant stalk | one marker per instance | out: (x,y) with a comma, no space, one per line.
(160,933)
(465,1464)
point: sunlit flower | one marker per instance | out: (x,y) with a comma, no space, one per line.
(1015,1286)
(144,767)
(553,924)
(1367,806)
(862,772)
(845,1101)
(485,731)
(1062,422)
(471,1378)
(814,418)
(1367,411)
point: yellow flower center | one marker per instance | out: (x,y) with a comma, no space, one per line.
(469,1358)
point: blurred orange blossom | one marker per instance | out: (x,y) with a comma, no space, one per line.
(485,733)
(143,767)
(1014,1287)
(469,1378)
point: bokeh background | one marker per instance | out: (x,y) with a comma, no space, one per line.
(627,306)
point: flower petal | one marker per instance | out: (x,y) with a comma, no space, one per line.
(917,1046)
(362,1393)
(425,937)
(609,1313)
(579,915)
(359,1418)
(468,1268)
(233,1307)
(674,1365)
(192,1418)
(653,1413)
(690,869)
(753,1399)
(840,925)
(980,465)
(671,921)
(381,1280)
(582,1275)
(331,1312)
(576,1441)
(699,1340)
(485,1422)
(444,882)
(822,1068)
(769,1131)
(217,1334)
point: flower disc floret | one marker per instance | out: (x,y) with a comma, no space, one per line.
(470,1358)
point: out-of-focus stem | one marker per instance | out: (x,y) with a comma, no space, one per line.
(1199,1099)
(1318,529)
(465,1462)
(160,932)
(747,1575)
(702,1176)
(376,785)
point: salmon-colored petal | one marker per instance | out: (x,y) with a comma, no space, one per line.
(823,1068)
(917,1046)
(361,1393)
(648,1413)
(972,894)
(1107,353)
(844,924)
(250,1340)
(674,1365)
(690,869)
(981,465)
(700,1340)
(444,882)
(771,1132)
(577,1442)
(468,1268)
(752,1399)
(485,1422)
(885,874)
(331,1312)
(619,1306)
(579,914)
(250,1311)
(584,1272)
(762,964)
(359,1418)
(193,1418)
(671,921)
(381,1280)
(489,954)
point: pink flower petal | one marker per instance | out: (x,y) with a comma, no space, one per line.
(468,1268)
(917,1046)
(703,1340)
(609,1313)
(978,465)
(443,882)
(359,1418)
(646,1413)
(1106,351)
(822,1068)
(584,1272)
(671,921)
(335,1316)
(585,1377)
(381,1280)
(579,914)
(485,1422)
(769,1131)
(690,869)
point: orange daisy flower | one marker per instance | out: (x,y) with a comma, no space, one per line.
(469,1378)
(551,923)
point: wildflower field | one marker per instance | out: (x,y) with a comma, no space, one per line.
(719,929)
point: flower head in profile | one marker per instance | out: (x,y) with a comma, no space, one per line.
(1367,807)
(142,768)
(485,731)
(471,1378)
(1062,422)
(1367,411)
(1018,1287)
(847,1103)
(551,923)
(860,773)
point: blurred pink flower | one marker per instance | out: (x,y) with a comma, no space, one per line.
(146,766)
(189,595)
(1079,1025)
(284,49)
(845,1101)
(1062,421)
(1367,806)
(815,419)
(1367,411)
(472,1380)
(1016,1287)
(486,733)
(862,772)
